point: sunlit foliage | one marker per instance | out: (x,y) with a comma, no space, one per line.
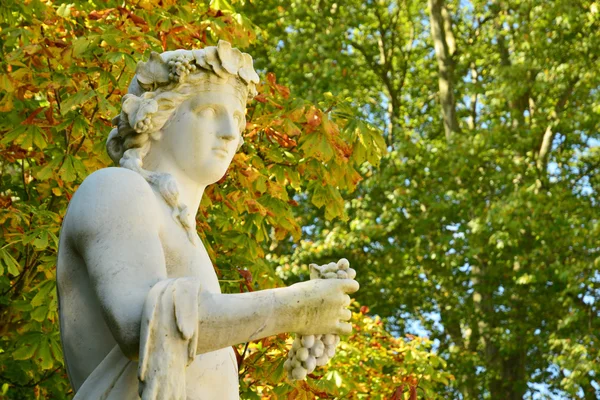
(64,68)
(481,224)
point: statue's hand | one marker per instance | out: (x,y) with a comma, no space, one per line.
(320,306)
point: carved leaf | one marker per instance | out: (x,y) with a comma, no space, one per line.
(247,72)
(212,58)
(231,59)
(152,73)
(200,57)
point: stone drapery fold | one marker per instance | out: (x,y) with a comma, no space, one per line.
(168,338)
(168,341)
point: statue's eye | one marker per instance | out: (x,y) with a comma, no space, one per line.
(207,112)
(239,120)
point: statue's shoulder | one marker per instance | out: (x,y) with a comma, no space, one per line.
(113,184)
(119,179)
(111,195)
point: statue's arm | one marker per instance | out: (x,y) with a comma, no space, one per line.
(112,221)
(312,307)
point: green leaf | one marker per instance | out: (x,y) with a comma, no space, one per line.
(64,10)
(42,295)
(42,241)
(12,265)
(21,305)
(76,101)
(319,196)
(46,172)
(106,107)
(56,349)
(80,168)
(25,351)
(6,84)
(54,239)
(329,197)
(67,171)
(316,145)
(80,45)
(14,134)
(114,58)
(39,314)
(222,5)
(44,356)
(80,126)
(38,138)
(337,379)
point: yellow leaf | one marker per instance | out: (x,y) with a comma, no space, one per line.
(6,84)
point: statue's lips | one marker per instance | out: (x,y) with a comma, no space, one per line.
(221,150)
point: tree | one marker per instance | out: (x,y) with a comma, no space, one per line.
(481,223)
(64,68)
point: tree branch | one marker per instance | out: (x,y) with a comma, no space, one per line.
(474,78)
(31,383)
(550,133)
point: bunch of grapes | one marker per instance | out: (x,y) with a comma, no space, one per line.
(144,125)
(311,351)
(180,68)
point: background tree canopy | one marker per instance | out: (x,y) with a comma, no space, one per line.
(449,150)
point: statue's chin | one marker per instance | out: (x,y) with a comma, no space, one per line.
(213,174)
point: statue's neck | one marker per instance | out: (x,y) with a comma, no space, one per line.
(190,191)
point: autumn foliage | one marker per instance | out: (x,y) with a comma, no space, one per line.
(63,72)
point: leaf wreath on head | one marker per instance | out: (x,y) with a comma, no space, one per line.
(174,67)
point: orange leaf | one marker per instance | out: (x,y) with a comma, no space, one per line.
(49,115)
(261,98)
(137,20)
(176,30)
(29,120)
(314,117)
(330,127)
(281,90)
(413,393)
(398,393)
(271,78)
(96,15)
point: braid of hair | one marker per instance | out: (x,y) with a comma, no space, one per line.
(138,147)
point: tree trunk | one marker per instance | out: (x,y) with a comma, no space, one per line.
(444,45)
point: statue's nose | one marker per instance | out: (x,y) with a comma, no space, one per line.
(228,128)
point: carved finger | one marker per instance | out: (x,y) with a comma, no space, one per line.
(349,285)
(347,301)
(344,328)
(345,314)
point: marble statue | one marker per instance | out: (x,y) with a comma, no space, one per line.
(141,311)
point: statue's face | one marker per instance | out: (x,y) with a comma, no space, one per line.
(203,135)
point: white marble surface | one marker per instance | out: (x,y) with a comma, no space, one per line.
(141,311)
